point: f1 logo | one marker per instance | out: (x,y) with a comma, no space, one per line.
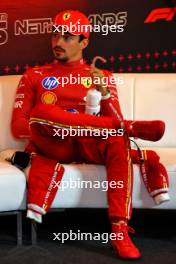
(167,14)
(3,28)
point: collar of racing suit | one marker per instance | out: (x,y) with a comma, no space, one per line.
(72,64)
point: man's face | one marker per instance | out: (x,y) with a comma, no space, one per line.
(67,47)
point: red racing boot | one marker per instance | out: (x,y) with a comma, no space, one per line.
(123,245)
(147,130)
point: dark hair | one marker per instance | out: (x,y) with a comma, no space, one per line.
(81,37)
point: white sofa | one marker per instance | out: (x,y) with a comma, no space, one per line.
(142,96)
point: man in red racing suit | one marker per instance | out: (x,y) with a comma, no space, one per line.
(44,96)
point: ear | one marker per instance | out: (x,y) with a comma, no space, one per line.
(84,43)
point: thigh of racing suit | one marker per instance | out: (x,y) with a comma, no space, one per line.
(113,153)
(62,150)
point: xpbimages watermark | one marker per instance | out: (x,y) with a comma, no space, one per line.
(78,28)
(72,236)
(86,132)
(87,184)
(87,81)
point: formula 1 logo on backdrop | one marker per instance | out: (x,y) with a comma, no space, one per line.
(167,14)
(3,28)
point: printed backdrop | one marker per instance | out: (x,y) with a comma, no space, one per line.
(148,43)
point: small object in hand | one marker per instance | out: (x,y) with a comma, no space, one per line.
(20,159)
(93,99)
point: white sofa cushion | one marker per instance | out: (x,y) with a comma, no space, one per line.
(12,188)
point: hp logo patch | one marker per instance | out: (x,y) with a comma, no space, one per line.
(50,83)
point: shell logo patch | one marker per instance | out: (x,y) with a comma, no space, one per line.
(66,16)
(87,82)
(49,98)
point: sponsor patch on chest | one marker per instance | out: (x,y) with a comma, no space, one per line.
(48,98)
(50,83)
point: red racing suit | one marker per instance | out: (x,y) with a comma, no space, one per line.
(42,96)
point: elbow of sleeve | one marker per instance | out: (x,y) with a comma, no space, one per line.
(20,129)
(15,130)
